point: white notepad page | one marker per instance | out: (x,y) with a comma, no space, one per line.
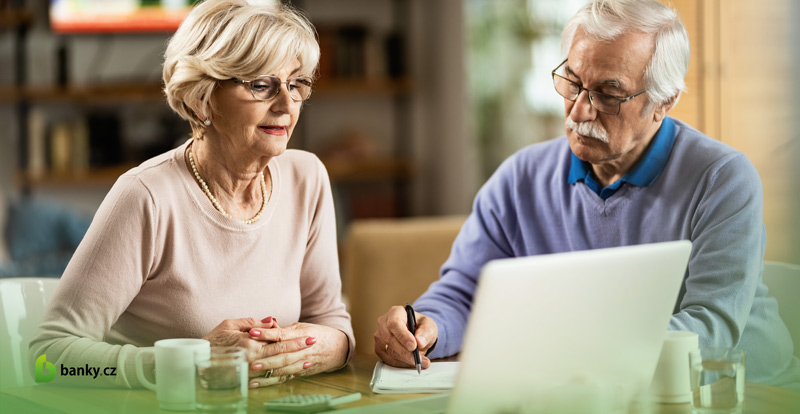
(440,377)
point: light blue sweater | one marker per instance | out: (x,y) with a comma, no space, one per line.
(701,190)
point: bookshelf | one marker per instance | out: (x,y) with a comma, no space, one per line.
(124,92)
(15,18)
(345,171)
(365,80)
(367,71)
(18,21)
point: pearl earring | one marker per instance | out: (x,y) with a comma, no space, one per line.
(207,122)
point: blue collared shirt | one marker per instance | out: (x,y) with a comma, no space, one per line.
(645,172)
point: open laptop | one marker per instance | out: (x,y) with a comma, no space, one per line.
(567,332)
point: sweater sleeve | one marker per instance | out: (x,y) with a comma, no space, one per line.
(320,282)
(729,240)
(104,275)
(487,234)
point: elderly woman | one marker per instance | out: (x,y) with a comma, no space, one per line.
(224,236)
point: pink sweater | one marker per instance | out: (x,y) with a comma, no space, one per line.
(160,262)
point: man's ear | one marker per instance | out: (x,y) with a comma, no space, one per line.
(663,109)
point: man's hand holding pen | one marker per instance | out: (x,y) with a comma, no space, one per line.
(395,344)
(411,323)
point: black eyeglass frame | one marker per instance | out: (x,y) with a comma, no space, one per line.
(592,94)
(304,79)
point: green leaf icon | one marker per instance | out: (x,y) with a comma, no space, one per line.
(45,371)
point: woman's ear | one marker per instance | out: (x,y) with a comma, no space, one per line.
(200,111)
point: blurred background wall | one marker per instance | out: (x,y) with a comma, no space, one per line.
(743,91)
(417,103)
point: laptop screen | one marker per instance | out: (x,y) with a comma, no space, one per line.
(568,331)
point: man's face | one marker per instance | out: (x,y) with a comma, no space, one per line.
(616,68)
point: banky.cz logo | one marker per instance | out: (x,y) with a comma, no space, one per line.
(45,371)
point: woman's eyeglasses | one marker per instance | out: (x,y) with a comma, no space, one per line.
(266,87)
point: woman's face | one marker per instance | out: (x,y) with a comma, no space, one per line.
(248,126)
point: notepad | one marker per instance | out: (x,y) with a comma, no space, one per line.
(440,377)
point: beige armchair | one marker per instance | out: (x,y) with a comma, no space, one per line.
(390,262)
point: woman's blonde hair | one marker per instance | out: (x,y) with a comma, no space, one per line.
(224,39)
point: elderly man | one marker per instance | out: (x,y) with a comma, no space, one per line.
(625,173)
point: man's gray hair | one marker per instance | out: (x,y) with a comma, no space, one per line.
(606,20)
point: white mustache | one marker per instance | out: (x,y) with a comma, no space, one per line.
(587,129)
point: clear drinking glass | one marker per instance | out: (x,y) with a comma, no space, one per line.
(717,380)
(221,385)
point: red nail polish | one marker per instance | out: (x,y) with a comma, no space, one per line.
(268,319)
(258,366)
(291,377)
(307,364)
(311,340)
(253,385)
(255,332)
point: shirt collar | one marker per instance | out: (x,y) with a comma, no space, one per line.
(643,174)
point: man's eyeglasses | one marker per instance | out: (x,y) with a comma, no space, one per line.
(266,87)
(605,103)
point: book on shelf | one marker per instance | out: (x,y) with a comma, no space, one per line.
(355,51)
(37,145)
(70,147)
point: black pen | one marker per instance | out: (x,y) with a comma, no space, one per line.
(412,326)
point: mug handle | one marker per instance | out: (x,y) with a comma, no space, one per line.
(140,369)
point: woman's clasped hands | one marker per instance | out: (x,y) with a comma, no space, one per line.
(278,354)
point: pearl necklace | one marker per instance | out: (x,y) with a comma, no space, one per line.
(214,200)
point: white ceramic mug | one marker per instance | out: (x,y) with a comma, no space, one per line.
(671,381)
(175,371)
